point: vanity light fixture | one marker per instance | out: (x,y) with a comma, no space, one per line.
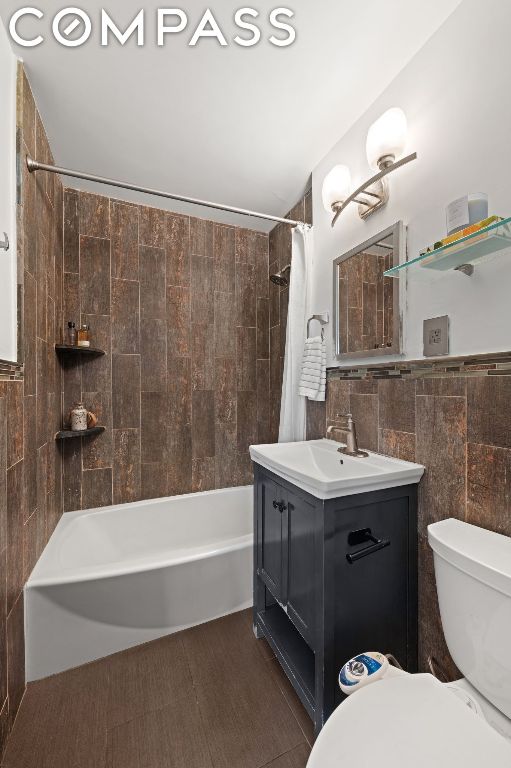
(336,187)
(386,141)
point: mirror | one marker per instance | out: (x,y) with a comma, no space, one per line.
(8,208)
(366,303)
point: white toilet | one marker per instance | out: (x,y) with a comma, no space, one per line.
(404,720)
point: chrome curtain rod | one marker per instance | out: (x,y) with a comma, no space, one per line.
(35,165)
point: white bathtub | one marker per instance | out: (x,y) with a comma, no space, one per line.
(114,577)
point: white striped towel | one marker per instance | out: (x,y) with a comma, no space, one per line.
(313,377)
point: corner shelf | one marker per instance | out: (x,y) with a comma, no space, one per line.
(67,434)
(463,253)
(75,350)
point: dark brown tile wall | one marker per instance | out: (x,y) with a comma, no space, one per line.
(366,301)
(181,307)
(30,407)
(457,425)
(280,256)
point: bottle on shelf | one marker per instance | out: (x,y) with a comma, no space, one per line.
(84,336)
(78,418)
(71,336)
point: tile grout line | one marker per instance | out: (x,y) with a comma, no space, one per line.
(268,662)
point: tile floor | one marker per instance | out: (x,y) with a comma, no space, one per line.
(209,697)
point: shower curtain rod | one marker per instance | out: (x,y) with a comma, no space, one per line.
(35,165)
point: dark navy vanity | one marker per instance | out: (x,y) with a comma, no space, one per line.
(333,578)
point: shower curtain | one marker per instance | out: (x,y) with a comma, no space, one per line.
(293,407)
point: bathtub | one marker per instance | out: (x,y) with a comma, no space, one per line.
(114,577)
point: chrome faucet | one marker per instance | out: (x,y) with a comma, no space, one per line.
(348,429)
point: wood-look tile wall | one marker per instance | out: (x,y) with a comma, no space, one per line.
(279,257)
(181,306)
(459,427)
(366,302)
(30,408)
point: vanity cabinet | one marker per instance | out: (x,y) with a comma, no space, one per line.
(333,578)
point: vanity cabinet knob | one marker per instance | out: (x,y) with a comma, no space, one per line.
(279,505)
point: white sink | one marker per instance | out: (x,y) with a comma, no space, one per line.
(315,466)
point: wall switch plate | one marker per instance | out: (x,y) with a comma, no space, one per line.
(436,336)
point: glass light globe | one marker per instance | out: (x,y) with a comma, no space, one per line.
(386,138)
(336,186)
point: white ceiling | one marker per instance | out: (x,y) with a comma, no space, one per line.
(242,126)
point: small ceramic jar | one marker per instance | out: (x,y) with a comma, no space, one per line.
(79,418)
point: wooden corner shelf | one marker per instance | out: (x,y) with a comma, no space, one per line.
(66,434)
(75,350)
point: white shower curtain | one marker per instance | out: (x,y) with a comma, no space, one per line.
(292,408)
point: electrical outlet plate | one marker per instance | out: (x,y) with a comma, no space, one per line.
(436,336)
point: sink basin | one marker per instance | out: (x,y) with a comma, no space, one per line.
(315,466)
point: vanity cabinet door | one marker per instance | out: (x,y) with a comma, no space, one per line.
(302,571)
(271,534)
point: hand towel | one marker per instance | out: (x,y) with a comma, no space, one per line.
(313,378)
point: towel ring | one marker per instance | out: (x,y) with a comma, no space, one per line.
(322,319)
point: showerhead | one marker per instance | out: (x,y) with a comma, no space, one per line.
(282,277)
(278,279)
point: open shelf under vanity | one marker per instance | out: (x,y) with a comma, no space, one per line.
(293,653)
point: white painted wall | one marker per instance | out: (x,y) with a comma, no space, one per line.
(241,126)
(8,260)
(456,95)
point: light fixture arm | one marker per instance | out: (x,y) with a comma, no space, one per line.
(373,180)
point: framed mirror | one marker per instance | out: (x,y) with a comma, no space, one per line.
(367,314)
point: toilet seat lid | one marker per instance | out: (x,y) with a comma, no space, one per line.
(411,720)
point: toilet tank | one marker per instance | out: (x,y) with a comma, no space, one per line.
(473,578)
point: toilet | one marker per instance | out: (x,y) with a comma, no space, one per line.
(404,720)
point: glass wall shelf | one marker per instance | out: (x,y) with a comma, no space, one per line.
(471,249)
